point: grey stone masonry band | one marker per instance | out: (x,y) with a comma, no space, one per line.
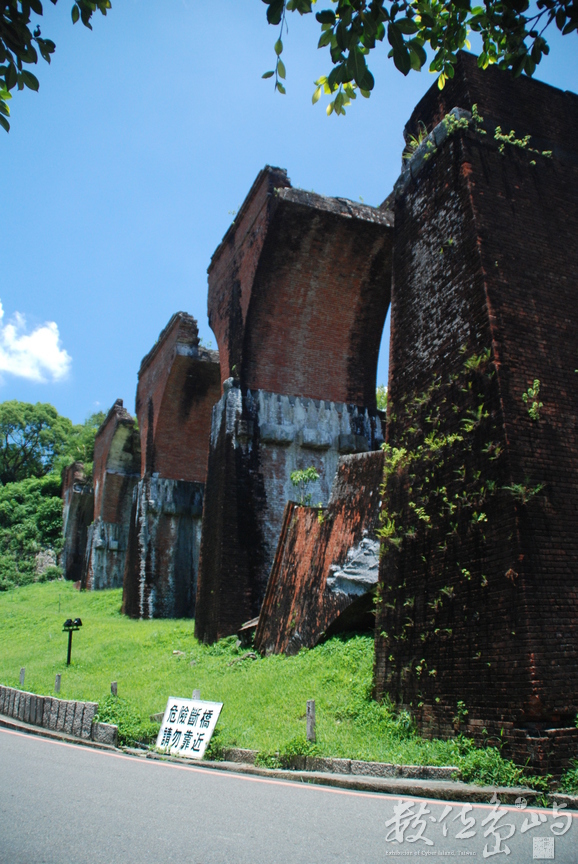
(59,715)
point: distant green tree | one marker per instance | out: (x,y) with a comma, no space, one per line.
(30,531)
(80,444)
(381,397)
(32,437)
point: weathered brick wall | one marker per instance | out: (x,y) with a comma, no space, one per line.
(326,564)
(298,293)
(77,514)
(179,382)
(233,266)
(177,388)
(485,612)
(116,472)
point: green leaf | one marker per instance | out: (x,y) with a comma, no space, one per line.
(402,60)
(280,88)
(316,95)
(11,76)
(406,26)
(275,11)
(367,83)
(325,39)
(395,38)
(326,17)
(75,14)
(268,74)
(4,123)
(30,80)
(414,46)
(281,71)
(278,47)
(356,66)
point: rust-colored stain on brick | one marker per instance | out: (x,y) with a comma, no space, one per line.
(318,547)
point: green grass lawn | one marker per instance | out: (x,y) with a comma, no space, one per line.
(264,699)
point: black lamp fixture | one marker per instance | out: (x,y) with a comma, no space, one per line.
(69,627)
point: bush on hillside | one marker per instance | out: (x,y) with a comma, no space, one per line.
(30,531)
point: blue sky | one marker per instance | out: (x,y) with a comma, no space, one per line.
(122,174)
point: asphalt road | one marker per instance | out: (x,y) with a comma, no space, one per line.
(67,804)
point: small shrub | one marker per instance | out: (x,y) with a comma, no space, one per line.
(132,729)
(569,780)
(214,751)
(487,767)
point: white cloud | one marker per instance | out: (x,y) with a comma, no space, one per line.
(37,356)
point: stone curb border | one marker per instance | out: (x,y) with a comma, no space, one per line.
(327,765)
(40,732)
(443,790)
(58,715)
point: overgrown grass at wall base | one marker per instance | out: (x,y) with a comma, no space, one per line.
(264,699)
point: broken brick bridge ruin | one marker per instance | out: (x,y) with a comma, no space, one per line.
(447,526)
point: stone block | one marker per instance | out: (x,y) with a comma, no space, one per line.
(10,701)
(331,766)
(2,696)
(62,709)
(89,713)
(373,769)
(105,733)
(53,720)
(77,721)
(274,433)
(39,710)
(69,719)
(46,712)
(16,704)
(314,439)
(22,706)
(238,754)
(27,700)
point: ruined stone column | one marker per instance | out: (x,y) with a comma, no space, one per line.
(178,384)
(478,605)
(77,515)
(116,472)
(298,293)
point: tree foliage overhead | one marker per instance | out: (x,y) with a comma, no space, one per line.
(511,31)
(21,42)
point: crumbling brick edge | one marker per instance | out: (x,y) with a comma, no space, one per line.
(72,719)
